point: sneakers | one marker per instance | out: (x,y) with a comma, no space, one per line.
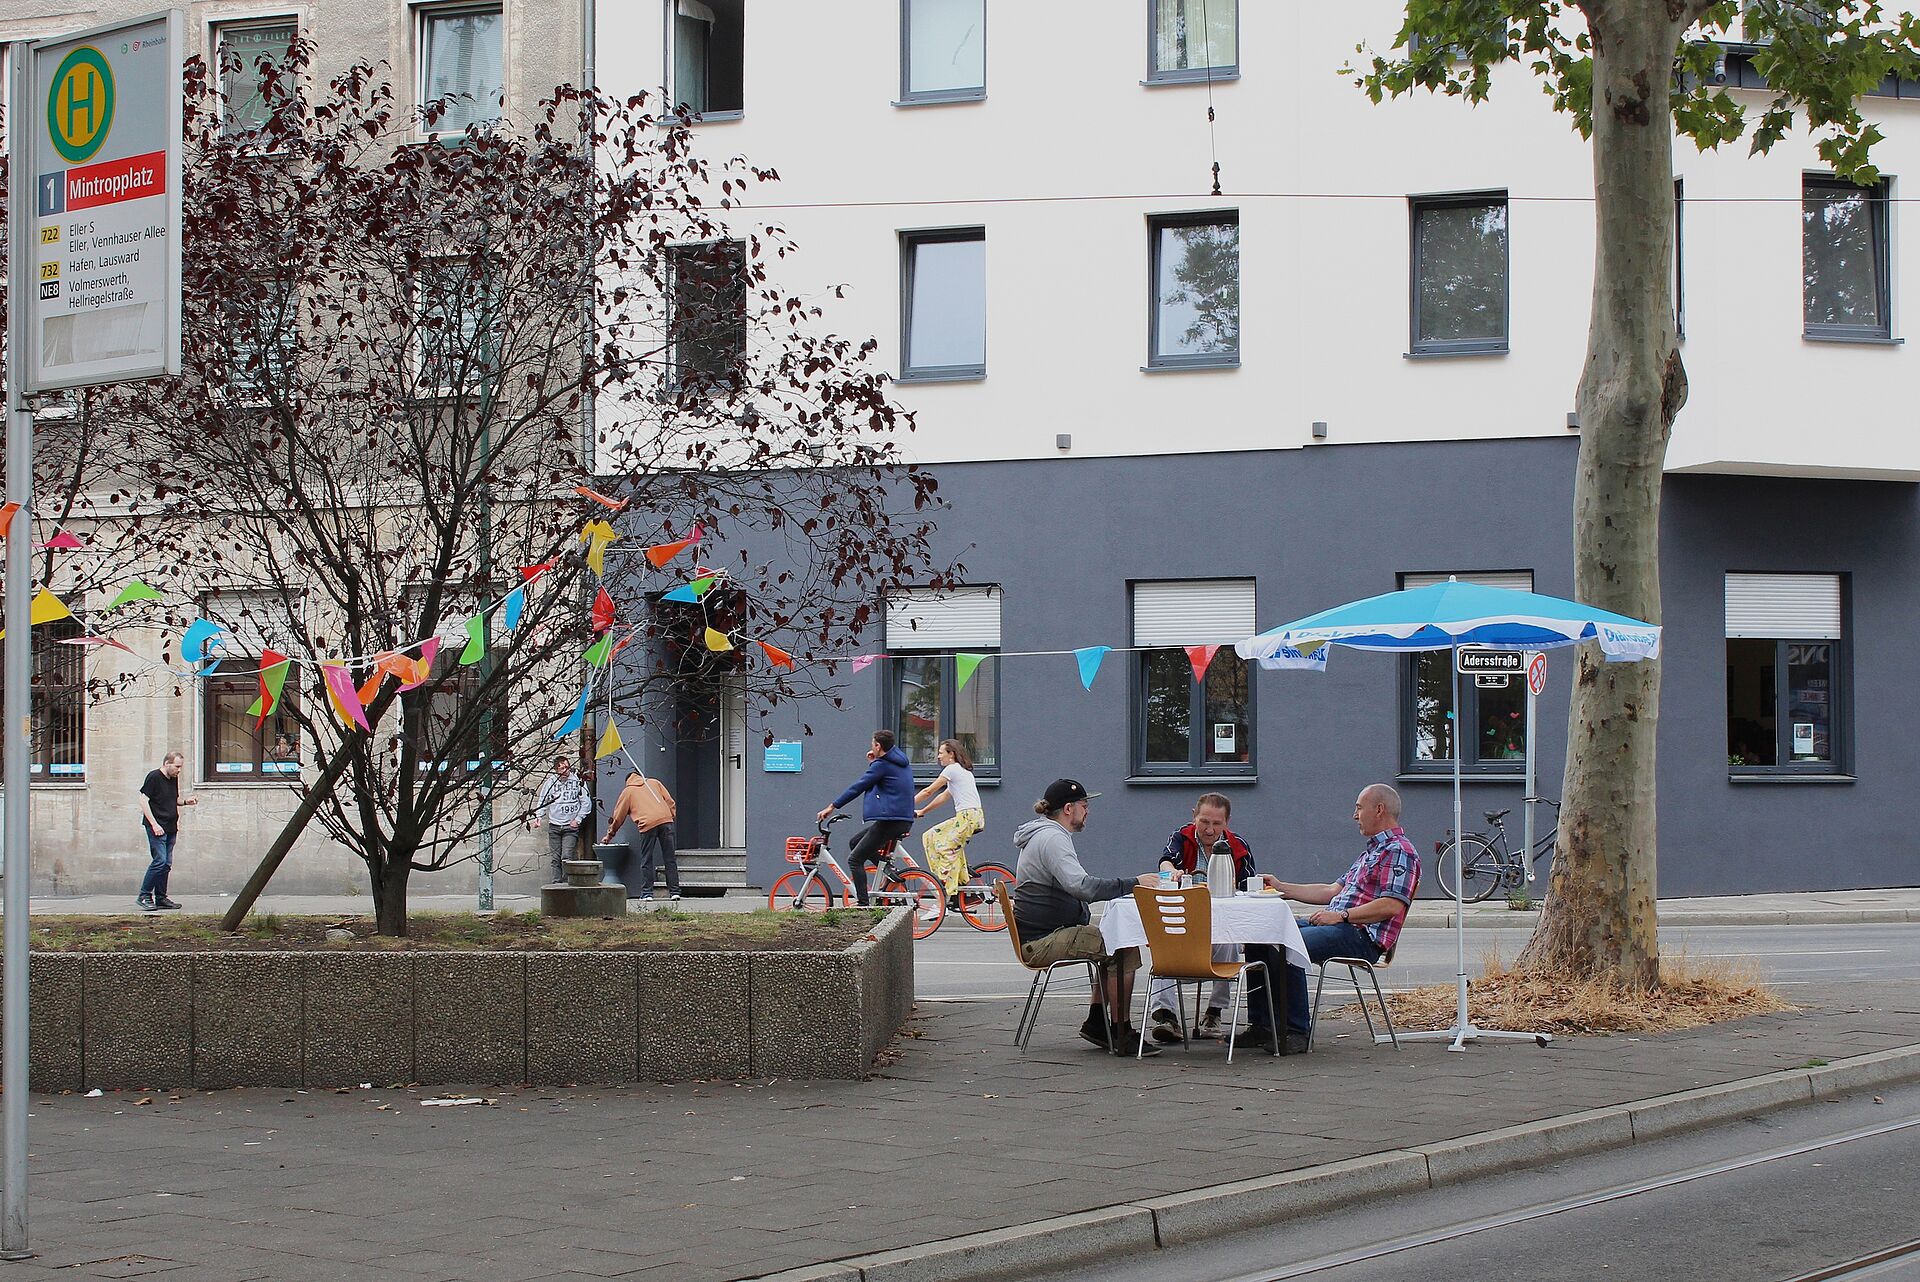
(1127,1043)
(1163,1027)
(165,903)
(1211,1029)
(1262,1039)
(1094,1029)
(674,896)
(144,903)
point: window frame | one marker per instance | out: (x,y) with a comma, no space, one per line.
(1418,205)
(1196,767)
(217,32)
(1840,731)
(1879,205)
(910,242)
(1156,223)
(258,773)
(493,311)
(893,704)
(1188,75)
(1679,258)
(1412,766)
(73,658)
(669,52)
(675,364)
(909,96)
(423,15)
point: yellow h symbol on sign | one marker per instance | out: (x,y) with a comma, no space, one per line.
(80,101)
(80,106)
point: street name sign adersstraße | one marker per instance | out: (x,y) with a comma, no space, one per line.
(103,117)
(1472,660)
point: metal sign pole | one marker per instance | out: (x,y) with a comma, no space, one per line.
(17,667)
(1526,799)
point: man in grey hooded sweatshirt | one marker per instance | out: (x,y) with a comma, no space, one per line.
(1051,893)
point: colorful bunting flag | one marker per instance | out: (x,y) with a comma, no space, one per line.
(602,611)
(136,590)
(861,661)
(93,640)
(45,608)
(775,655)
(422,668)
(718,641)
(476,649)
(1089,657)
(612,505)
(1200,656)
(6,517)
(963,666)
(370,688)
(596,535)
(515,605)
(345,699)
(609,742)
(661,553)
(600,651)
(62,542)
(273,677)
(193,644)
(684,593)
(528,573)
(578,717)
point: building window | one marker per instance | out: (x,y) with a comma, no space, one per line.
(1460,274)
(57,749)
(1786,650)
(1843,258)
(457,328)
(244,52)
(943,313)
(1195,310)
(1679,258)
(1184,726)
(709,321)
(705,53)
(943,50)
(462,62)
(236,743)
(1496,715)
(1192,40)
(933,642)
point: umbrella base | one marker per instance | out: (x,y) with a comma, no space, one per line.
(1460,1036)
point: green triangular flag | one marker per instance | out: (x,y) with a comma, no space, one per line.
(476,641)
(137,590)
(963,666)
(597,655)
(700,586)
(274,678)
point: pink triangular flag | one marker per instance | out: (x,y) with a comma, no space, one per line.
(860,661)
(346,699)
(63,542)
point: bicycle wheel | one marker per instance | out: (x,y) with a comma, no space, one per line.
(978,904)
(786,894)
(1484,868)
(922,893)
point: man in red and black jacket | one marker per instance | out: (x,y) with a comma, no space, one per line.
(1187,850)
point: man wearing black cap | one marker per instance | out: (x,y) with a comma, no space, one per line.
(1051,894)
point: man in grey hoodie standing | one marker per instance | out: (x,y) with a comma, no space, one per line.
(1050,898)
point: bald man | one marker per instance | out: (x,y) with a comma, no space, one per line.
(1362,917)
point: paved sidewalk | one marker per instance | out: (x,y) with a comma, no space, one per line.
(1807,908)
(958,1134)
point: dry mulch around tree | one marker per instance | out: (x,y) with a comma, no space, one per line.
(1692,993)
(651,931)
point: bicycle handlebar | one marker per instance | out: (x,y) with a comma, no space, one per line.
(1549,800)
(831,821)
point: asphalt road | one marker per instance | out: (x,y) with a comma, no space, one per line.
(960,964)
(1782,1196)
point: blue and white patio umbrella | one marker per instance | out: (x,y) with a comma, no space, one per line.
(1447,616)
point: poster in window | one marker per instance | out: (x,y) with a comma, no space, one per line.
(1803,738)
(1223,734)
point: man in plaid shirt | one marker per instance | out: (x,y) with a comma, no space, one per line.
(1362,918)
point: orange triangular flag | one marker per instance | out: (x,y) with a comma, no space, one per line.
(612,505)
(1200,656)
(775,655)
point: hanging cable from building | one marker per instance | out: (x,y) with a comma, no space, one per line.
(1206,38)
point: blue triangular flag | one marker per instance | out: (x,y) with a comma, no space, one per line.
(684,593)
(578,717)
(193,645)
(510,613)
(1089,659)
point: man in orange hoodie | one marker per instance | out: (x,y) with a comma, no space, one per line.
(647,804)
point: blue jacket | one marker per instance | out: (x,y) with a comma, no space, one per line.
(888,784)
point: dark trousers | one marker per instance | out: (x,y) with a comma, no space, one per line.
(1337,940)
(160,853)
(867,846)
(643,848)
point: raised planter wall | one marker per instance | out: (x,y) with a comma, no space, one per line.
(159,1020)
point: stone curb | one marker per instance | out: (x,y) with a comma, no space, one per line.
(1178,1218)
(1493,919)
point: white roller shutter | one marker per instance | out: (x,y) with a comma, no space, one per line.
(1193,612)
(1784,607)
(957,619)
(1512,580)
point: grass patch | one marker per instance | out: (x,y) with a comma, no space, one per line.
(758,931)
(1693,993)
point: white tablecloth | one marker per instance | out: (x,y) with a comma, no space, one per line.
(1244,919)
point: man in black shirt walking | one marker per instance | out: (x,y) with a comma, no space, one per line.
(160,804)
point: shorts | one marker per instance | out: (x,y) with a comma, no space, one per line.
(1078,943)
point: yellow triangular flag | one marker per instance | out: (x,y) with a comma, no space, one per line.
(609,742)
(46,608)
(718,640)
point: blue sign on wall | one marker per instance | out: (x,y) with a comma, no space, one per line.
(783,756)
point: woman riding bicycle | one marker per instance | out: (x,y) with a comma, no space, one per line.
(946,843)
(888,809)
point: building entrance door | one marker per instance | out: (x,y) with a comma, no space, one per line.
(733,764)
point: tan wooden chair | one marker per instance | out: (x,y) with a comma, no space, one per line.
(1042,975)
(1354,966)
(1179,925)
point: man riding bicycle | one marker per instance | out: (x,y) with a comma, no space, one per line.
(888,809)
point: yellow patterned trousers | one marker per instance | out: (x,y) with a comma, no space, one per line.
(946,847)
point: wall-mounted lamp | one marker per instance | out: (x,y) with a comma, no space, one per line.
(1319,430)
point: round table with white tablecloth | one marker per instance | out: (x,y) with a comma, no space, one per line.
(1243,919)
